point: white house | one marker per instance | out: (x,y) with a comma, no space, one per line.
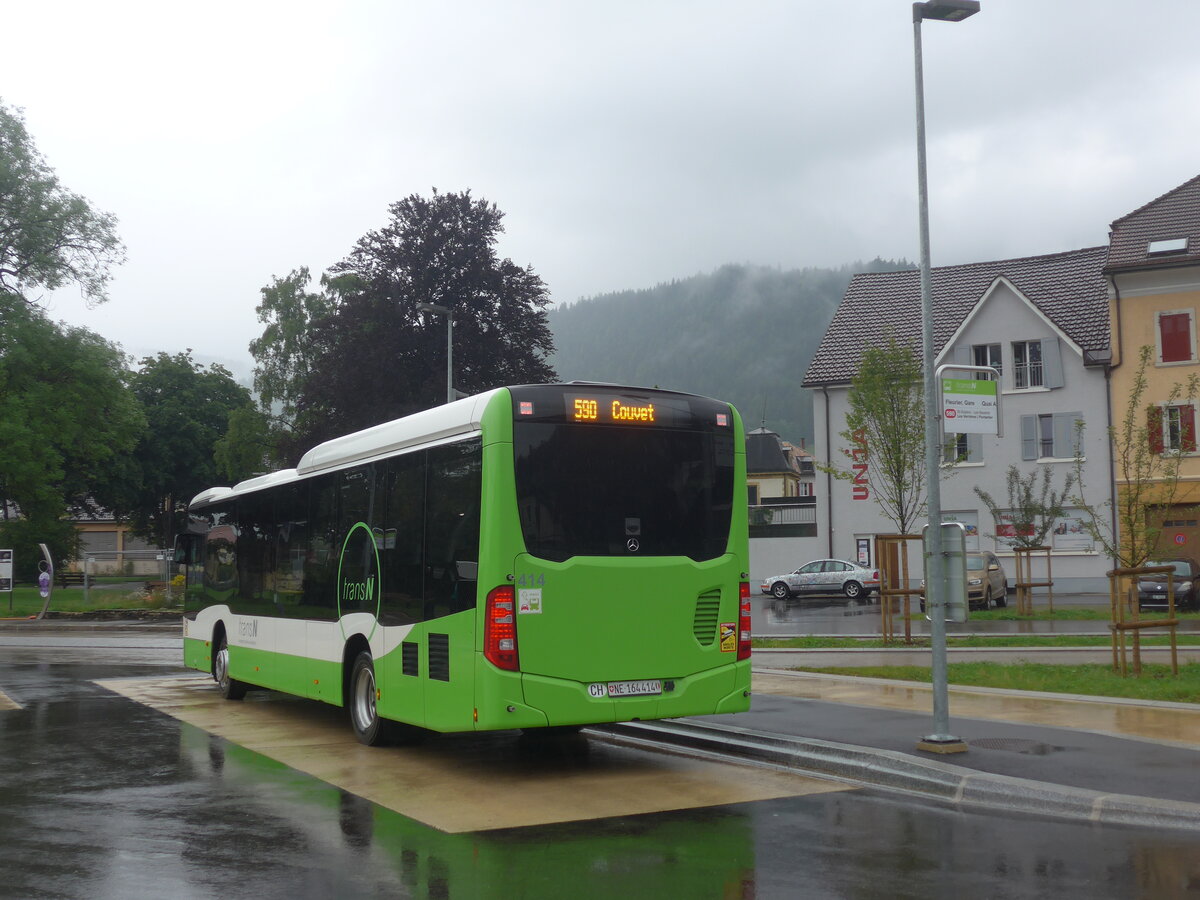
(1043,322)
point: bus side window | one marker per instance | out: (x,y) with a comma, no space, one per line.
(291,547)
(403,541)
(452,528)
(320,567)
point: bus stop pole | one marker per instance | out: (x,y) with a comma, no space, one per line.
(941,740)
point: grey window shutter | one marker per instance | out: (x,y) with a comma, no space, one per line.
(1052,368)
(1064,434)
(974,448)
(962,355)
(1029,437)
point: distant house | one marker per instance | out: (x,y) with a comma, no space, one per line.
(772,467)
(779,483)
(1153,270)
(1043,322)
(109,547)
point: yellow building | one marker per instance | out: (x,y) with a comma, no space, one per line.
(1153,271)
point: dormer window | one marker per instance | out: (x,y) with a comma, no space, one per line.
(1164,247)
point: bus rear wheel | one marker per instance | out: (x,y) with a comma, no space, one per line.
(231,688)
(368,727)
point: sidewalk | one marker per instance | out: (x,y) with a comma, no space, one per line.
(1098,759)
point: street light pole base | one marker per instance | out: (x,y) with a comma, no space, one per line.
(942,743)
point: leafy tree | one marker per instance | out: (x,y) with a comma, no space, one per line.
(67,424)
(1147,476)
(1031,509)
(886,425)
(246,448)
(361,352)
(284,352)
(187,408)
(49,236)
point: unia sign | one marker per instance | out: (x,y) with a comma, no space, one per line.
(859,486)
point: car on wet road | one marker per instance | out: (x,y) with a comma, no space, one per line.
(1152,589)
(823,577)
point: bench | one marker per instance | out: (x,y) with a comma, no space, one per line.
(66,579)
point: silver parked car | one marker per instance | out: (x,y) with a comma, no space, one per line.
(824,576)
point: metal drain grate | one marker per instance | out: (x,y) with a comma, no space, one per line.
(1015,745)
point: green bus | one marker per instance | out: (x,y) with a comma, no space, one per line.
(533,557)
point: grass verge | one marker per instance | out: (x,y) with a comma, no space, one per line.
(26,601)
(1033,641)
(1156,683)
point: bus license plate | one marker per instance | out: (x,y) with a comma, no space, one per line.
(633,688)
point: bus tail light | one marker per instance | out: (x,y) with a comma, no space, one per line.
(500,629)
(743,651)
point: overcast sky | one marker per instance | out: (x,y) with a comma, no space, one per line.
(628,143)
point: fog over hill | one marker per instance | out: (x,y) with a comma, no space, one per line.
(743,333)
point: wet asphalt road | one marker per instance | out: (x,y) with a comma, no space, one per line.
(839,616)
(101,797)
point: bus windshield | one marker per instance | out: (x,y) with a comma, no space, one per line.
(588,489)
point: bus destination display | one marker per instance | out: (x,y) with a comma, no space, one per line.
(612,410)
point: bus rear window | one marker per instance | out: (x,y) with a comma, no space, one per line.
(596,490)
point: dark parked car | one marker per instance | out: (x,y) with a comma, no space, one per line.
(1152,589)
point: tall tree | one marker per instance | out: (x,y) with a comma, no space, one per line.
(284,353)
(187,407)
(67,424)
(1031,511)
(368,354)
(49,236)
(885,433)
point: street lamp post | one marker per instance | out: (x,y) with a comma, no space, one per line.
(449,314)
(941,741)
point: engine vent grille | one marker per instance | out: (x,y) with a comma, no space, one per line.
(439,657)
(704,621)
(410,659)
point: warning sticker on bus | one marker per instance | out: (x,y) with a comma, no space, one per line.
(728,637)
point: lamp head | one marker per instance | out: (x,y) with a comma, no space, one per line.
(945,10)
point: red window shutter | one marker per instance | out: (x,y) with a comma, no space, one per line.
(1187,428)
(1154,428)
(1175,337)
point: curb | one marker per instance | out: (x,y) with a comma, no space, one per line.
(899,772)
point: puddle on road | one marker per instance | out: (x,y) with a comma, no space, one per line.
(465,782)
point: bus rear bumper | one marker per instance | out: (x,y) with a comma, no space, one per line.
(725,689)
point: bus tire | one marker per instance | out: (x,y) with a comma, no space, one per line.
(364,718)
(230,688)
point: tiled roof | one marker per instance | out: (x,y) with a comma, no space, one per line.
(1068,288)
(764,452)
(1176,214)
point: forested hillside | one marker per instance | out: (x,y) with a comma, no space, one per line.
(742,333)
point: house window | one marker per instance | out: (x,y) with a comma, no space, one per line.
(1045,429)
(1176,337)
(1050,436)
(1172,428)
(963,448)
(987,355)
(752,494)
(1027,364)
